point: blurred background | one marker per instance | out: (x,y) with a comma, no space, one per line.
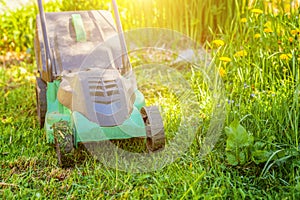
(199,19)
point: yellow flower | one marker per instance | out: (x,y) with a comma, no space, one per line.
(218,42)
(291,39)
(241,53)
(257,35)
(222,72)
(225,59)
(268,24)
(257,11)
(268,27)
(285,56)
(243,20)
(268,30)
(295,32)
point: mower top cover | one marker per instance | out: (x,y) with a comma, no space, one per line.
(73,36)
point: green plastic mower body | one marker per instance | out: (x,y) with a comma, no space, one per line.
(86,130)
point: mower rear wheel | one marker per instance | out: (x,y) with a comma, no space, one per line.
(41,101)
(154,128)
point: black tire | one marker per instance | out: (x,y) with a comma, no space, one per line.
(41,100)
(154,128)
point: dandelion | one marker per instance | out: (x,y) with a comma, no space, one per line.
(240,53)
(291,39)
(218,42)
(257,11)
(225,59)
(295,32)
(257,35)
(222,72)
(243,20)
(268,27)
(268,24)
(285,56)
(268,30)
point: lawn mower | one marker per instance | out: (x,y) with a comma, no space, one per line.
(80,100)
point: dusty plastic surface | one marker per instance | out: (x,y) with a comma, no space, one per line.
(101,95)
(87,131)
(68,52)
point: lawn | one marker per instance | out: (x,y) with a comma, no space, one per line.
(254,51)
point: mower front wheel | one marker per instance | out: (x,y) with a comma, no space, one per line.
(154,128)
(64,143)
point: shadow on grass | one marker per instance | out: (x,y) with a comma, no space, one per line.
(85,152)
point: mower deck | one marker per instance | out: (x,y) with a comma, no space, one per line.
(86,130)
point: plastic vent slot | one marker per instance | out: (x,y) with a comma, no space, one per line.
(103,92)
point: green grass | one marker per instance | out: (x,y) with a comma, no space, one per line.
(262,89)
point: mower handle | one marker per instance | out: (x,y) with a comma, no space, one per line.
(49,56)
(125,60)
